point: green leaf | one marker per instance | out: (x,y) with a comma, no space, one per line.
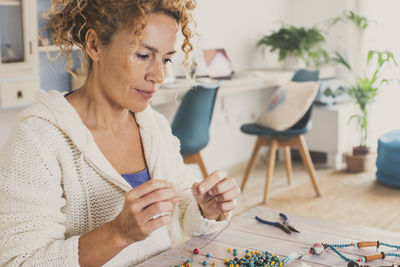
(383,81)
(306,43)
(340,59)
(370,55)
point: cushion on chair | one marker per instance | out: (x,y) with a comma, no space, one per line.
(288,104)
(254,129)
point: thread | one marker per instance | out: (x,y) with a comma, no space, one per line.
(215,237)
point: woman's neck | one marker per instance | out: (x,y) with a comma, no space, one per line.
(96,110)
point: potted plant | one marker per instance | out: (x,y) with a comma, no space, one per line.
(363,91)
(303,43)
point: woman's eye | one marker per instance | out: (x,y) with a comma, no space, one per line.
(167,60)
(142,56)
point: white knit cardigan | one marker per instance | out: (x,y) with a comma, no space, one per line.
(56,185)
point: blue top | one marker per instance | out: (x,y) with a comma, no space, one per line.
(138,178)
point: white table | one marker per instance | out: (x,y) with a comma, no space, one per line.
(244,82)
(246,233)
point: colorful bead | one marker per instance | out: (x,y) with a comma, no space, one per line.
(353,264)
(317,248)
(205,263)
(229,249)
(213,264)
(195,251)
(255,258)
(208,255)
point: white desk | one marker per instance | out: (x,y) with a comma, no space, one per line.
(245,233)
(245,81)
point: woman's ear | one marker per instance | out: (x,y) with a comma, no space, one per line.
(93,46)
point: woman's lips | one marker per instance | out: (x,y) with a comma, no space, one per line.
(145,94)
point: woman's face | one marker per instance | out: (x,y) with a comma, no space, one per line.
(131,74)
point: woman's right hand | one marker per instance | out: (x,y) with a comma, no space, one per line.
(146,208)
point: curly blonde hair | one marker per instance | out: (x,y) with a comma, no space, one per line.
(69,21)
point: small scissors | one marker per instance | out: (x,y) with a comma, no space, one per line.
(283,226)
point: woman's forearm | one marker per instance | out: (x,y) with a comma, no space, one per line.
(100,245)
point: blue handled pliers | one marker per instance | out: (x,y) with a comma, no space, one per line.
(285,226)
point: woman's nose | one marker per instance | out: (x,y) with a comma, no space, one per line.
(156,73)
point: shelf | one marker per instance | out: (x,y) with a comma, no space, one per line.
(53,48)
(10,3)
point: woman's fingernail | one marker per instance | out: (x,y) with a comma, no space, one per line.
(201,189)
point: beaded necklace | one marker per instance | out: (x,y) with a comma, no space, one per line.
(318,248)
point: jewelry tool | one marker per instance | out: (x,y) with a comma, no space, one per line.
(283,226)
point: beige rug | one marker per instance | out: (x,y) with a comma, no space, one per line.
(347,198)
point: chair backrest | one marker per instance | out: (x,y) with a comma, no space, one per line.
(192,120)
(303,75)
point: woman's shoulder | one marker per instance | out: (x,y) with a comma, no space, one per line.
(38,123)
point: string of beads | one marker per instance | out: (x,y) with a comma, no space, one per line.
(318,248)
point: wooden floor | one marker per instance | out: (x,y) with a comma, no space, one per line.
(253,193)
(346,197)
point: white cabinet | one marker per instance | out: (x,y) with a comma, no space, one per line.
(15,94)
(18,52)
(331,133)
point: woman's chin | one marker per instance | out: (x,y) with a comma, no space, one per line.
(139,107)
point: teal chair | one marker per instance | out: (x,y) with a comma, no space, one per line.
(191,123)
(292,137)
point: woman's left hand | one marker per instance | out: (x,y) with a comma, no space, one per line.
(216,194)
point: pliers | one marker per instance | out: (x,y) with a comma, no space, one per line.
(285,226)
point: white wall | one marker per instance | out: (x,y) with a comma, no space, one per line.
(384,35)
(320,13)
(236,25)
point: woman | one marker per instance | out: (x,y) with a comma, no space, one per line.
(95,177)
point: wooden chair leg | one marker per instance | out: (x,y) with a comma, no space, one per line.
(197,159)
(288,164)
(252,162)
(271,163)
(305,155)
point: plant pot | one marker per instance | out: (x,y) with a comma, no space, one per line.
(361,150)
(360,163)
(293,62)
